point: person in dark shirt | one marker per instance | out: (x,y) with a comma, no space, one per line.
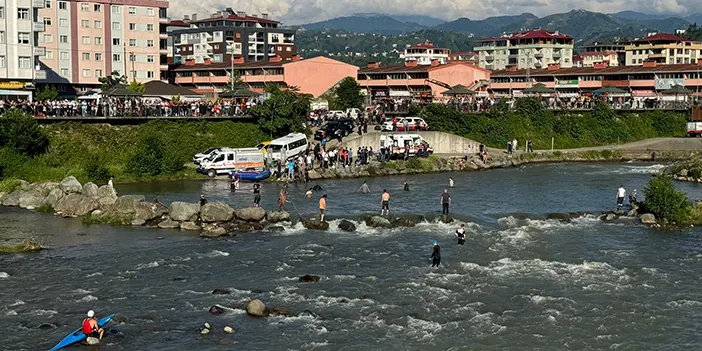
(406,186)
(461,234)
(257,194)
(445,202)
(203,201)
(436,255)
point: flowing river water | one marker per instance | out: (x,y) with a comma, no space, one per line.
(521,282)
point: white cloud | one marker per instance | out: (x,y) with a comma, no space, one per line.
(305,11)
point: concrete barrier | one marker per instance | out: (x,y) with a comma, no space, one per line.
(443,143)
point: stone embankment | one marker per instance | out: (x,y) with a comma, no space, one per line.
(686,171)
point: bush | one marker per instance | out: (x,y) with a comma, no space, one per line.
(46,208)
(666,203)
(147,159)
(95,169)
(21,132)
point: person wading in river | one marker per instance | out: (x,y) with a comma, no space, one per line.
(385,203)
(461,234)
(257,194)
(282,199)
(322,207)
(445,201)
(621,194)
(364,188)
(435,255)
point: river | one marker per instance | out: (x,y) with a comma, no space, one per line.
(521,282)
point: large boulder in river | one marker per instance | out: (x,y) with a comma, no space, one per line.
(278,216)
(216,212)
(75,205)
(31,200)
(405,222)
(71,185)
(53,197)
(106,196)
(648,218)
(347,225)
(184,211)
(90,189)
(13,198)
(127,204)
(315,224)
(149,210)
(256,308)
(251,214)
(309,278)
(169,224)
(378,222)
(43,188)
(190,226)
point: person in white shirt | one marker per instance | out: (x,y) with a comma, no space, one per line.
(621,194)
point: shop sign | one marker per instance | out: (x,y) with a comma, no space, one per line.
(13,85)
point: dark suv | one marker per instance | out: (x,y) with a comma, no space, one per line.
(334,128)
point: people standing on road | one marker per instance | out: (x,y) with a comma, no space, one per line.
(203,201)
(435,255)
(621,194)
(257,194)
(322,207)
(451,183)
(445,202)
(385,203)
(364,188)
(632,198)
(461,234)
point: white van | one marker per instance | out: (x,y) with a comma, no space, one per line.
(224,160)
(288,146)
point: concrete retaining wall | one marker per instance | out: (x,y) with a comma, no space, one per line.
(443,143)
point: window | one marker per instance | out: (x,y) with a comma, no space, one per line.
(47,21)
(84,7)
(149,43)
(22,38)
(116,57)
(86,73)
(116,26)
(132,58)
(132,42)
(132,26)
(64,72)
(98,41)
(134,74)
(149,58)
(98,56)
(115,41)
(3,64)
(63,39)
(149,74)
(47,38)
(86,56)
(63,55)
(97,8)
(49,55)
(47,4)
(62,5)
(132,10)
(2,37)
(98,73)
(2,12)
(97,24)
(85,24)
(150,11)
(116,9)
(288,49)
(23,14)
(63,22)
(25,62)
(149,27)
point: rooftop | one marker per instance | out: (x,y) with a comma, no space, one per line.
(661,37)
(531,34)
(410,69)
(424,45)
(228,66)
(179,23)
(575,71)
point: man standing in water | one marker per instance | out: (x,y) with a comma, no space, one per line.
(257,194)
(461,234)
(406,187)
(445,202)
(451,182)
(364,188)
(322,207)
(385,203)
(621,194)
(435,255)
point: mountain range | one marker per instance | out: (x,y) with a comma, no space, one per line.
(584,26)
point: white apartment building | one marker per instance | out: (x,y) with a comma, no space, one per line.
(426,53)
(531,49)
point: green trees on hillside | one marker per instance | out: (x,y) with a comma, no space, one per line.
(283,112)
(346,94)
(20,132)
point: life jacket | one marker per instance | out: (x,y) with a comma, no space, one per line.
(87,328)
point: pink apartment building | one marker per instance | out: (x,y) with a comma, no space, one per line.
(84,41)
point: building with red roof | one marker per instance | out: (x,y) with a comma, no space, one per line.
(536,48)
(426,53)
(662,48)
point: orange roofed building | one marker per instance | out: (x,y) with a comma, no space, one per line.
(313,76)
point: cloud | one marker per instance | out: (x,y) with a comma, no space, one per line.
(306,11)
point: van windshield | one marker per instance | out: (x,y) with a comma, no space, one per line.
(275,148)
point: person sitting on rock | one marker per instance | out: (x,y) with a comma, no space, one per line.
(203,201)
(632,198)
(91,327)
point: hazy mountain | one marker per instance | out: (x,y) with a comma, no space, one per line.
(638,16)
(488,26)
(422,20)
(694,18)
(366,24)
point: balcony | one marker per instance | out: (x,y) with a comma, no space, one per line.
(38,26)
(538,64)
(538,55)
(38,4)
(513,56)
(489,58)
(657,56)
(488,67)
(40,74)
(39,51)
(556,55)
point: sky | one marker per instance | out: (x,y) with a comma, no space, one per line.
(292,12)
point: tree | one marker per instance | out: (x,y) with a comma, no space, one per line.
(235,82)
(283,112)
(152,157)
(21,132)
(112,80)
(47,93)
(347,94)
(136,87)
(668,204)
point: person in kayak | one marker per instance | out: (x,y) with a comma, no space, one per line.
(91,327)
(461,234)
(436,255)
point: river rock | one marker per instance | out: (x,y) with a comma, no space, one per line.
(23,185)
(276,228)
(120,318)
(347,225)
(216,310)
(204,331)
(138,222)
(314,175)
(229,330)
(446,219)
(149,210)
(127,204)
(608,217)
(247,226)
(92,341)
(251,214)
(684,173)
(403,222)
(227,341)
(13,198)
(53,197)
(169,224)
(315,224)
(192,226)
(71,185)
(309,278)
(648,218)
(184,211)
(221,292)
(278,216)
(278,311)
(2,194)
(256,308)
(106,196)
(90,189)
(378,222)
(216,212)
(75,205)
(213,232)
(43,188)
(31,200)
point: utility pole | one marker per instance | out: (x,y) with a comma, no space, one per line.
(125,60)
(132,58)
(231,74)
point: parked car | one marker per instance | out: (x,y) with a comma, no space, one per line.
(353,113)
(224,160)
(398,144)
(387,125)
(694,129)
(206,154)
(336,114)
(332,130)
(263,146)
(413,124)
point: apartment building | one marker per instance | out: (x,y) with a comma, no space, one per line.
(663,48)
(464,56)
(84,40)
(20,27)
(227,35)
(610,54)
(531,49)
(426,53)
